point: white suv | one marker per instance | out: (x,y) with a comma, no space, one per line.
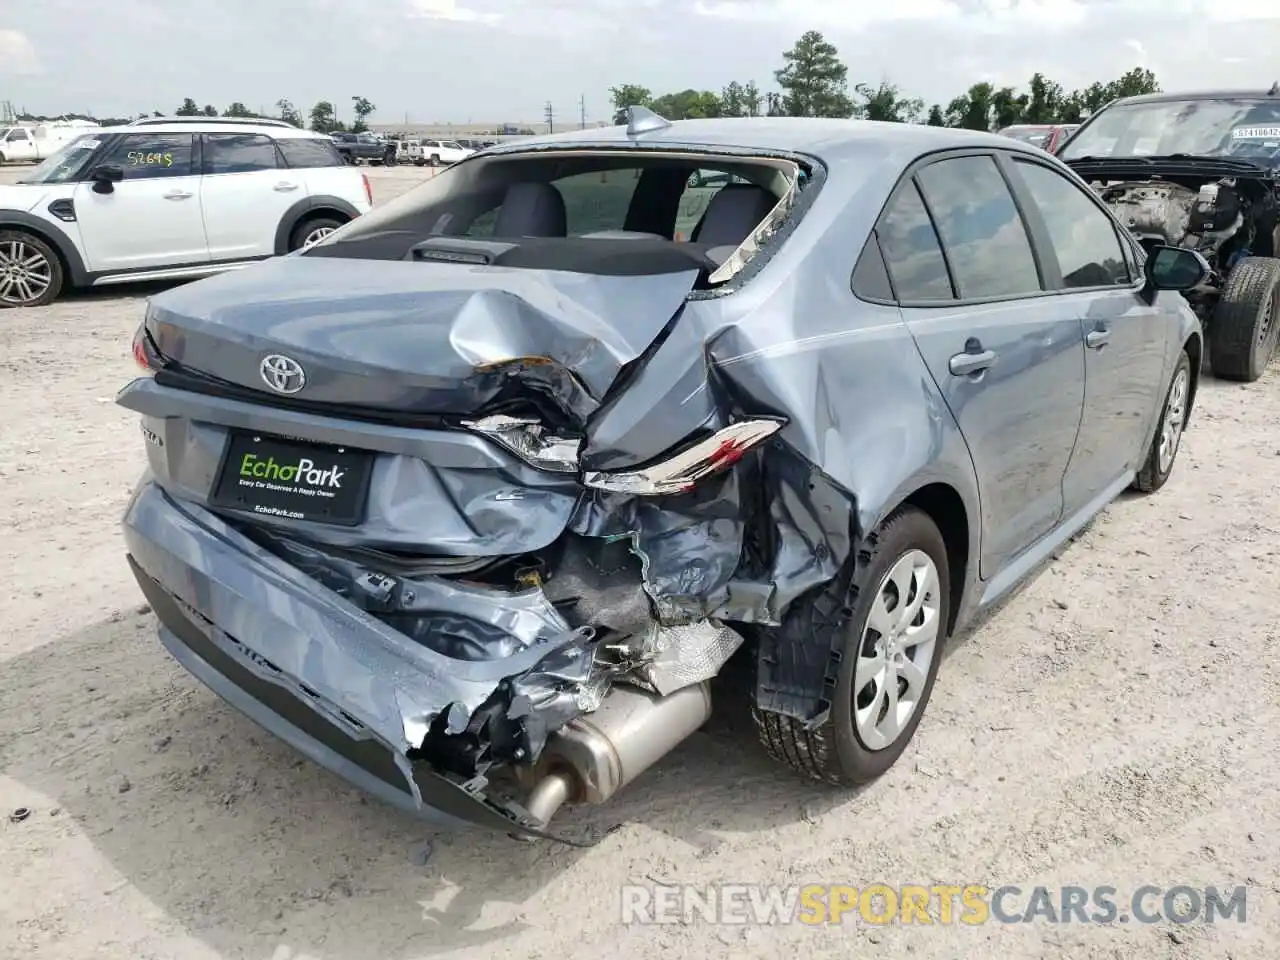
(437,152)
(167,199)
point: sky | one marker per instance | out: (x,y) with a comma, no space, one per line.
(494,61)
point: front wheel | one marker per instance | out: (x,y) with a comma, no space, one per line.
(30,271)
(435,160)
(891,647)
(1246,322)
(1168,438)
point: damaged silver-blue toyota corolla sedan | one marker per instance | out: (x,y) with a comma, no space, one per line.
(471,499)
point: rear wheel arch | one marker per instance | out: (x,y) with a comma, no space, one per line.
(311,208)
(945,507)
(1194,349)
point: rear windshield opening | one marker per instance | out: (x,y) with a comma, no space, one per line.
(614,212)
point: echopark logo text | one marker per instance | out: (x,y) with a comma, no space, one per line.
(292,476)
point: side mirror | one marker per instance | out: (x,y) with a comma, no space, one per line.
(104,178)
(1175,268)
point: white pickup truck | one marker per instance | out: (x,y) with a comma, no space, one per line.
(31,144)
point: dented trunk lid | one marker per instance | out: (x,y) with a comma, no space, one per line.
(416,337)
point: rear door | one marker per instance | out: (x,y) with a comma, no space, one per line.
(1006,355)
(1124,336)
(323,171)
(151,219)
(244,194)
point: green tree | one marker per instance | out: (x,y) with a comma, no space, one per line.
(189,108)
(238,109)
(289,113)
(972,110)
(1136,82)
(210,110)
(886,103)
(1044,100)
(324,119)
(687,105)
(740,100)
(1007,107)
(363,109)
(628,95)
(936,119)
(814,81)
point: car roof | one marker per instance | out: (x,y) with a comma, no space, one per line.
(1168,97)
(211,125)
(825,139)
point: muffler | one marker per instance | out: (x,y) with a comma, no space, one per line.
(594,756)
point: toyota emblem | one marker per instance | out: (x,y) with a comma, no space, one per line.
(282,374)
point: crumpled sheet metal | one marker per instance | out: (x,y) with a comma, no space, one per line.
(680,656)
(436,338)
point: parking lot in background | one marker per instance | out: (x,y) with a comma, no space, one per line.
(1117,724)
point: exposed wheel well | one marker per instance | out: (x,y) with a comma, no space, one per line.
(946,510)
(1195,352)
(47,239)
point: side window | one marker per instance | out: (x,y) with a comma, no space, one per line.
(238,153)
(870,277)
(981,229)
(304,152)
(1084,238)
(598,200)
(911,250)
(149,156)
(18,135)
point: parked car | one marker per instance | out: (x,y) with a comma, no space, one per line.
(1046,136)
(470,500)
(31,144)
(169,201)
(366,147)
(443,152)
(1201,170)
(409,150)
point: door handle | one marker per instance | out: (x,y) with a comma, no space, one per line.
(1097,339)
(284,186)
(973,360)
(178,195)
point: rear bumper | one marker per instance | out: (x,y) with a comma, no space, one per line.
(338,685)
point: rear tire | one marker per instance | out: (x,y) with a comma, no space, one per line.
(435,159)
(312,231)
(31,274)
(1246,321)
(900,601)
(1168,436)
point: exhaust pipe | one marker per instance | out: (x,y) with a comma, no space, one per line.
(594,756)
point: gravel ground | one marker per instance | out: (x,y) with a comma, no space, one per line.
(1115,724)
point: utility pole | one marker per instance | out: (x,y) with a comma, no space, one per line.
(582,112)
(550,117)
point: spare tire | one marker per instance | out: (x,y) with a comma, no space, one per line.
(1246,321)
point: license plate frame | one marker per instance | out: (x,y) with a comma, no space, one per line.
(257,475)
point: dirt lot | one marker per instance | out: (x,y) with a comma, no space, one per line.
(1117,724)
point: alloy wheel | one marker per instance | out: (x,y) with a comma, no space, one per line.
(1175,416)
(896,650)
(316,235)
(25,273)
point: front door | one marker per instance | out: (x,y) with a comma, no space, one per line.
(151,219)
(245,194)
(1007,358)
(1123,335)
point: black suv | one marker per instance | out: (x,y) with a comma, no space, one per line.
(1200,170)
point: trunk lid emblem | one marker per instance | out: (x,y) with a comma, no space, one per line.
(282,374)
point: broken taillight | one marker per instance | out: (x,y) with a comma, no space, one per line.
(681,473)
(145,354)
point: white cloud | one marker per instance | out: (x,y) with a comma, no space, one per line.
(828,13)
(17,55)
(449,10)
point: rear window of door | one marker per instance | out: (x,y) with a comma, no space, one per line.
(304,152)
(982,232)
(1083,237)
(146,156)
(912,251)
(238,153)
